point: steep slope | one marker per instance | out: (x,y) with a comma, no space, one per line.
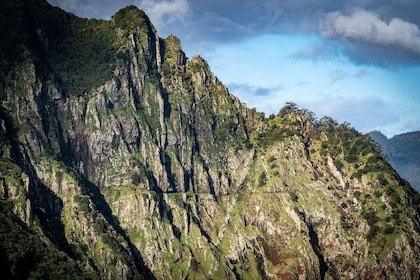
(136,162)
(404,154)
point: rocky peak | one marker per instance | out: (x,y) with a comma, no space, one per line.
(173,51)
(132,19)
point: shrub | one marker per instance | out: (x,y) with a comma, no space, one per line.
(351,158)
(389,191)
(294,196)
(338,164)
(389,230)
(83,203)
(262,179)
(136,178)
(382,180)
(370,217)
(372,232)
(352,155)
(271,159)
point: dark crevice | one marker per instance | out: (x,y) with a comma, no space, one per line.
(167,109)
(196,148)
(203,232)
(164,208)
(103,207)
(187,180)
(47,206)
(233,269)
(136,95)
(260,260)
(314,241)
(166,161)
(209,180)
(193,218)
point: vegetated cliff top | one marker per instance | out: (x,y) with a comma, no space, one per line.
(78,53)
(133,161)
(403,151)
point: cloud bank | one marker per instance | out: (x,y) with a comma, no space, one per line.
(367,27)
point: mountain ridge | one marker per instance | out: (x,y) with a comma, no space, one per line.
(403,153)
(134,161)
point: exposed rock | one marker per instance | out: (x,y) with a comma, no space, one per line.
(145,166)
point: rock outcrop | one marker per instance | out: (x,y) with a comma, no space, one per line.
(125,159)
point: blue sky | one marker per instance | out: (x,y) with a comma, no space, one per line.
(355,61)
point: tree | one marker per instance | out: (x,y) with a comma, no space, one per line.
(327,124)
(290,107)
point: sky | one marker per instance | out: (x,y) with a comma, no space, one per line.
(357,61)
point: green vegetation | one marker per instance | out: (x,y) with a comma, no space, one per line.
(136,178)
(24,254)
(80,54)
(179,171)
(338,164)
(130,18)
(91,47)
(83,202)
(262,180)
(273,134)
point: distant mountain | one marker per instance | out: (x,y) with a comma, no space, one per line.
(404,154)
(120,158)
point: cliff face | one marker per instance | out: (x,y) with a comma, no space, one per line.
(121,158)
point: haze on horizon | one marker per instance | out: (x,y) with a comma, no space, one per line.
(356,61)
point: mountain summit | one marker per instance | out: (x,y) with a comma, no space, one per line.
(121,158)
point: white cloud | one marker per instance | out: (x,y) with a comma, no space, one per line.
(164,12)
(367,27)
